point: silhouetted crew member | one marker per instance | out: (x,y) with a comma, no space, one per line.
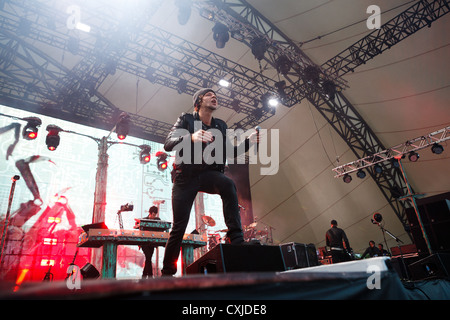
(335,239)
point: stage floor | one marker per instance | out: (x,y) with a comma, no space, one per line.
(370,279)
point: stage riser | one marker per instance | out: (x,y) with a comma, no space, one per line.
(225,258)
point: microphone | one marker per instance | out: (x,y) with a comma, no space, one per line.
(257,128)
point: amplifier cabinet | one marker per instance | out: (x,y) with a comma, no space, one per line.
(299,255)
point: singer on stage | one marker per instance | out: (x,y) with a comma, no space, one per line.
(192,176)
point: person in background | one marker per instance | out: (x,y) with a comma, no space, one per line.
(336,239)
(149,249)
(371,251)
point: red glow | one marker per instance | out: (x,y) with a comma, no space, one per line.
(121,136)
(47,263)
(147,158)
(164,165)
(53,220)
(50,241)
(32,135)
(51,148)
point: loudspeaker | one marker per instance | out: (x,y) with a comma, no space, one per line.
(435,266)
(225,258)
(299,255)
(89,272)
(435,215)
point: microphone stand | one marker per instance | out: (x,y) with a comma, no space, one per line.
(383,230)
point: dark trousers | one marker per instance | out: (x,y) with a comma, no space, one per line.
(184,191)
(339,256)
(148,268)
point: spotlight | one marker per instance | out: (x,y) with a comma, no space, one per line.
(269,102)
(184,10)
(283,65)
(30,131)
(259,47)
(220,35)
(395,163)
(123,126)
(378,168)
(52,139)
(312,74)
(144,155)
(361,174)
(181,86)
(329,89)
(162,160)
(281,86)
(437,148)
(413,156)
(224,83)
(347,178)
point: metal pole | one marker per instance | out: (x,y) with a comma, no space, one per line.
(416,209)
(5,226)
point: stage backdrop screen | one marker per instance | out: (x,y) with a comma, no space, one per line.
(42,234)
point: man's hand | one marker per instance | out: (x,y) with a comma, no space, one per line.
(202,136)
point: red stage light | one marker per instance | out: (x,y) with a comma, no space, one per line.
(50,241)
(32,135)
(47,262)
(121,136)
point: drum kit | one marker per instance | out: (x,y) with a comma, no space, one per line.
(251,233)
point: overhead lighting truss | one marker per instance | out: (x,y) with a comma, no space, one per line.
(395,152)
(331,103)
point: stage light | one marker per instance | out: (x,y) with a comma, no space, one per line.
(162,160)
(184,10)
(361,174)
(312,74)
(395,163)
(281,86)
(347,178)
(220,35)
(259,47)
(52,140)
(224,83)
(269,102)
(30,131)
(378,168)
(437,148)
(123,126)
(413,156)
(144,155)
(329,89)
(283,65)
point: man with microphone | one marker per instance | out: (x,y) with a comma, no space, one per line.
(191,175)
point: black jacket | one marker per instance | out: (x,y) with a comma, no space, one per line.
(187,121)
(335,237)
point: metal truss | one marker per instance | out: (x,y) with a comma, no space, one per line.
(418,16)
(395,152)
(149,52)
(322,85)
(32,79)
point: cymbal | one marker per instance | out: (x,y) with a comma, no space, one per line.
(253,225)
(208,221)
